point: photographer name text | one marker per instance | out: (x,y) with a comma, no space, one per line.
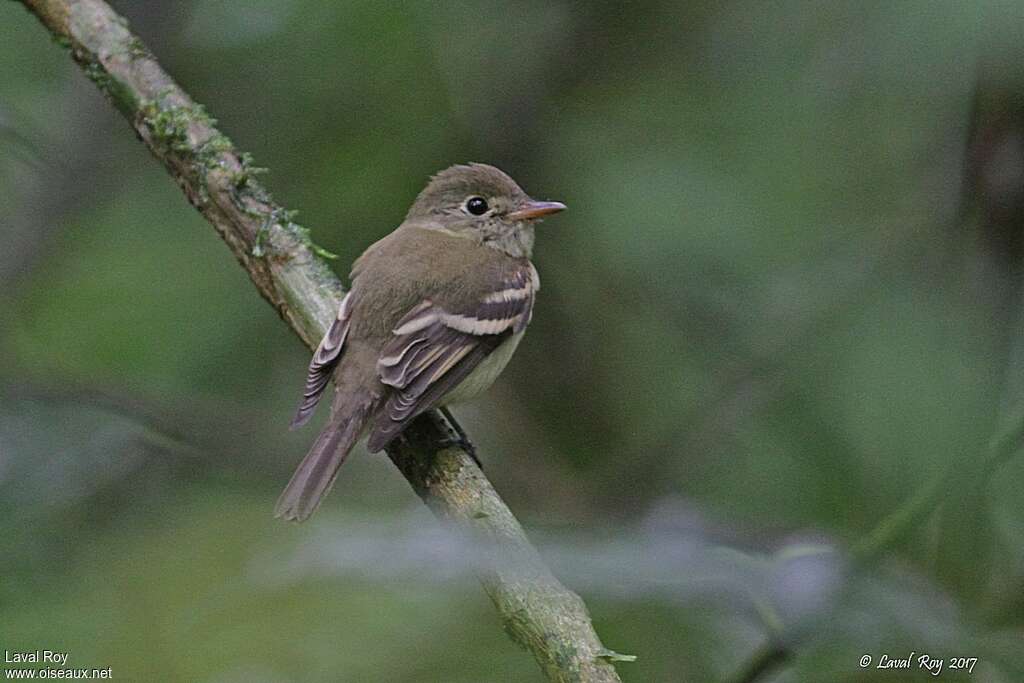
(36,657)
(933,665)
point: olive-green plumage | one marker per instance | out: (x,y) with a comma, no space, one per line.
(435,311)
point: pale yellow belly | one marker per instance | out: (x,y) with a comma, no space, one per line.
(483,375)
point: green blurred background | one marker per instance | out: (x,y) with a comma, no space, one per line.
(785,297)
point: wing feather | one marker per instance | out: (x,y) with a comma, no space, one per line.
(434,349)
(325,358)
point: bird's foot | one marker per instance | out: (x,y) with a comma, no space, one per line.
(459,438)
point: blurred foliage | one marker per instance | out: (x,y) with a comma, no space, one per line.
(787,294)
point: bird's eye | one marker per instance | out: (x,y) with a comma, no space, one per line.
(476,206)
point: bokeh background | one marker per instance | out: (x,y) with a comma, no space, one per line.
(785,300)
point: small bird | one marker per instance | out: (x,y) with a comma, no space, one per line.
(435,312)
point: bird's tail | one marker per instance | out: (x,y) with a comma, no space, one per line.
(315,475)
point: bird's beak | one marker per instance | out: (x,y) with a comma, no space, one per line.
(533,210)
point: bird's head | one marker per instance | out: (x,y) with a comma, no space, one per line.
(481,202)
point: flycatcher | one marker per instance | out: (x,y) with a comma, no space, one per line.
(435,312)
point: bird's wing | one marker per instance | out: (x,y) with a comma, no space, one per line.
(432,349)
(323,362)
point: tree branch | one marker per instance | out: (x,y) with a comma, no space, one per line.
(538,611)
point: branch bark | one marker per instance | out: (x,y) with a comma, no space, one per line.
(220,182)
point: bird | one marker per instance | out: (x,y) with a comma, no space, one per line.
(435,311)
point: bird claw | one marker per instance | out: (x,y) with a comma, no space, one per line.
(459,438)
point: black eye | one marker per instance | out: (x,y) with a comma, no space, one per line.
(476,206)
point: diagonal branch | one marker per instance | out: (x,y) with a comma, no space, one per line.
(220,182)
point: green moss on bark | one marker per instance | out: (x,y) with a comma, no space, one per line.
(121,94)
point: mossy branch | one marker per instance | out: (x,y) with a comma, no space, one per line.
(287,269)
